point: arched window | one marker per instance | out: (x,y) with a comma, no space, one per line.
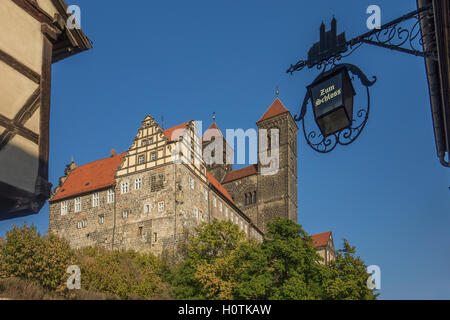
(250,198)
(246,199)
(254,196)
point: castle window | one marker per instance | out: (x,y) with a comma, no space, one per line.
(137,183)
(242,225)
(196,213)
(237,219)
(95,198)
(63,208)
(226,212)
(147,208)
(231,216)
(157,182)
(125,187)
(153,156)
(161,206)
(205,193)
(77,204)
(155,237)
(144,143)
(84,223)
(191,182)
(125,214)
(246,199)
(214,201)
(141,159)
(101,219)
(220,206)
(110,195)
(150,141)
(245,228)
(140,230)
(254,196)
(79,225)
(201,215)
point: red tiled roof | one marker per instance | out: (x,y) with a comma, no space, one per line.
(241,173)
(275,109)
(89,177)
(321,239)
(218,186)
(211,132)
(171,134)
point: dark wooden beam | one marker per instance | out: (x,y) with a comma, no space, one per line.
(15,128)
(34,11)
(46,82)
(19,66)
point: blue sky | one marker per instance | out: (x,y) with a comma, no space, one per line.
(386,193)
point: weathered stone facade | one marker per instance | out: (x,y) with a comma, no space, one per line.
(156,201)
(263,196)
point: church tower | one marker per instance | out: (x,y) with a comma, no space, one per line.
(218,169)
(277,188)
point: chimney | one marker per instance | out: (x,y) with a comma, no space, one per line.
(113,153)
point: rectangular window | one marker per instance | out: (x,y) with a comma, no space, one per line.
(95,197)
(79,225)
(237,219)
(150,141)
(125,187)
(138,183)
(147,208)
(226,212)
(196,213)
(144,143)
(110,195)
(63,208)
(214,201)
(231,216)
(157,182)
(140,231)
(241,225)
(201,215)
(155,237)
(77,204)
(161,206)
(141,159)
(191,182)
(220,206)
(125,214)
(205,193)
(245,228)
(153,156)
(101,219)
(84,223)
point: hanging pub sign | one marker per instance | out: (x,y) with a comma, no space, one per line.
(332,99)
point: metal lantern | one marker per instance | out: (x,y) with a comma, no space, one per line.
(332,99)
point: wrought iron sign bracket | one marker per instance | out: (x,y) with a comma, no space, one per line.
(392,35)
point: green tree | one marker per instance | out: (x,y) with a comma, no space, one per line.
(127,274)
(26,254)
(348,277)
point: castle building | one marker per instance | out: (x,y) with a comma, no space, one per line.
(151,197)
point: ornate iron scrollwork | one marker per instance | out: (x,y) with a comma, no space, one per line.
(325,144)
(391,35)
